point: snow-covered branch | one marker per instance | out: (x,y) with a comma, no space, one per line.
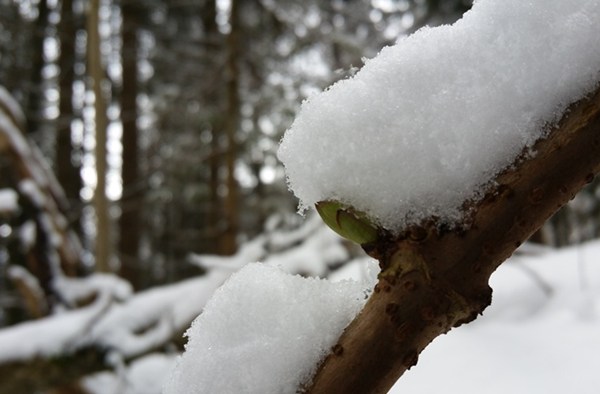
(100,319)
(38,193)
(113,323)
(310,249)
(444,154)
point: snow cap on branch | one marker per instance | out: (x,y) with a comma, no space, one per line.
(264,331)
(427,124)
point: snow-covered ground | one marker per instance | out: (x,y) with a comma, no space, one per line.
(541,335)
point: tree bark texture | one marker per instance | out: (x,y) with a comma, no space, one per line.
(129,222)
(67,170)
(35,100)
(96,75)
(435,278)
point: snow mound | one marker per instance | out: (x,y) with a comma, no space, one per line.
(264,331)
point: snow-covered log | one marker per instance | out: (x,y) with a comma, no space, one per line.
(58,349)
(38,185)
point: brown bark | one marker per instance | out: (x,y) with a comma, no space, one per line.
(35,303)
(129,222)
(96,74)
(36,375)
(67,170)
(434,278)
(35,100)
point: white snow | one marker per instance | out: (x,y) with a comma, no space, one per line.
(314,256)
(264,331)
(55,335)
(143,376)
(29,188)
(540,335)
(425,125)
(252,250)
(28,234)
(143,321)
(9,201)
(153,317)
(74,290)
(311,250)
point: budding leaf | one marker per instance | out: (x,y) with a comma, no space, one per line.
(347,222)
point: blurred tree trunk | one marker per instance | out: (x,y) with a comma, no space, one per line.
(35,94)
(129,223)
(209,19)
(67,168)
(96,76)
(229,243)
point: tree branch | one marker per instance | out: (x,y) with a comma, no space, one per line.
(434,278)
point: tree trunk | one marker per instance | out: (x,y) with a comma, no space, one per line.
(96,76)
(434,278)
(209,20)
(129,223)
(35,101)
(66,168)
(229,243)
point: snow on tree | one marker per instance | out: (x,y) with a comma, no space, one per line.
(428,123)
(264,319)
(457,142)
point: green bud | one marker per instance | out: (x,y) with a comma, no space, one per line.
(347,222)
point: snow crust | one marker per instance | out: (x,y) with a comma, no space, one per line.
(424,126)
(263,332)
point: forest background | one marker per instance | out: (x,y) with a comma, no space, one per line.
(160,121)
